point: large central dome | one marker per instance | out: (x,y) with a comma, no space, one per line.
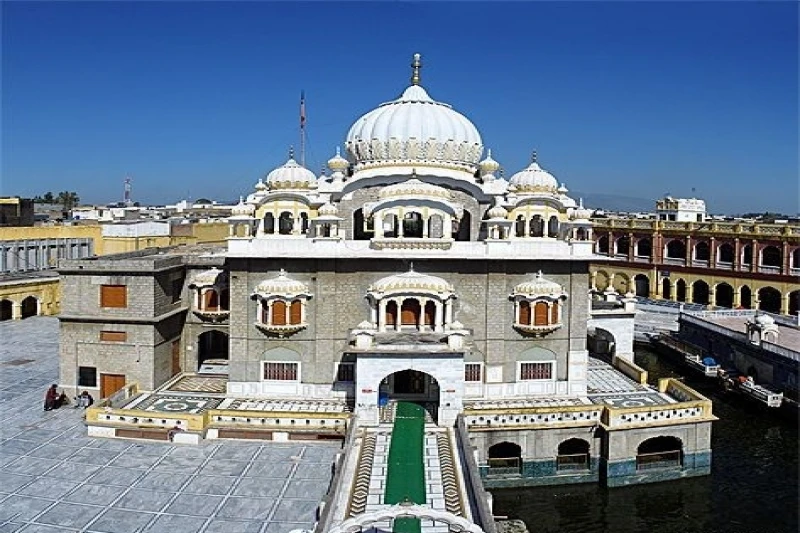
(414,130)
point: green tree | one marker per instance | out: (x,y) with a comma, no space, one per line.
(48,198)
(68,199)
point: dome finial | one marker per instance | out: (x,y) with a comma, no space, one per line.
(416,66)
(534,157)
(291,152)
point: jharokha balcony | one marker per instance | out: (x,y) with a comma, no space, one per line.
(213,314)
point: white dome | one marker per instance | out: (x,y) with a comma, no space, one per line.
(291,176)
(261,186)
(283,285)
(242,209)
(414,187)
(328,210)
(208,278)
(411,281)
(337,162)
(497,211)
(533,179)
(489,165)
(540,286)
(414,128)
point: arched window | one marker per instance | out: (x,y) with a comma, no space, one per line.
(524,312)
(390,226)
(391,314)
(702,251)
(747,254)
(430,314)
(581,234)
(412,225)
(644,247)
(296,312)
(552,227)
(725,253)
(505,459)
(269,223)
(409,312)
(359,226)
(210,300)
(573,454)
(623,245)
(771,256)
(659,452)
(285,223)
(278,313)
(540,314)
(602,245)
(676,249)
(537,226)
(519,226)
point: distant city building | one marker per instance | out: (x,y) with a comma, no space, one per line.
(16,212)
(681,209)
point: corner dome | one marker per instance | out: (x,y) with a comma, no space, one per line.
(414,187)
(243,209)
(534,179)
(540,287)
(208,278)
(291,176)
(283,285)
(412,129)
(411,281)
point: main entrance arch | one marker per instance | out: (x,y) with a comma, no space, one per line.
(437,381)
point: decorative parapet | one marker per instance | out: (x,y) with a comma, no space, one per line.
(411,244)
(532,417)
(691,407)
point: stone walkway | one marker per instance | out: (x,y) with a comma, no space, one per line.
(53,478)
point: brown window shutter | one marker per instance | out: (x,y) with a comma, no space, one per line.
(278,313)
(113,296)
(296,312)
(540,314)
(524,313)
(113,336)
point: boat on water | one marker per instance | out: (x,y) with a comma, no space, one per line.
(745,385)
(706,365)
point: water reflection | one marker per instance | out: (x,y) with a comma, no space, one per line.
(753,486)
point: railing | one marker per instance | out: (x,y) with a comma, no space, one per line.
(574,461)
(337,484)
(655,460)
(504,466)
(476,493)
(769,269)
(674,261)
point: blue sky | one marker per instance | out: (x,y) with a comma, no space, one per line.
(200,99)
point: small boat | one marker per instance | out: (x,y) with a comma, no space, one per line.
(732,381)
(706,365)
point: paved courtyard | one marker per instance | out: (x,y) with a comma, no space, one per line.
(53,478)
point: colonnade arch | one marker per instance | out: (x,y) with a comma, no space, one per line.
(723,295)
(29,307)
(6,310)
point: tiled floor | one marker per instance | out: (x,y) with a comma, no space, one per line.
(55,479)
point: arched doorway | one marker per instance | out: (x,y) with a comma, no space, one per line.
(411,386)
(504,459)
(746,300)
(769,299)
(680,290)
(573,454)
(410,313)
(659,452)
(794,303)
(666,289)
(212,349)
(723,295)
(700,292)
(642,284)
(6,310)
(29,307)
(602,245)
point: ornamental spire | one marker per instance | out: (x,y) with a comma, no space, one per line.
(534,157)
(416,66)
(291,152)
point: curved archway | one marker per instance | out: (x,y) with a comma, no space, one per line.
(6,310)
(601,280)
(212,348)
(642,285)
(285,223)
(602,245)
(464,229)
(771,256)
(795,258)
(412,225)
(573,454)
(747,254)
(504,459)
(769,299)
(746,298)
(700,292)
(659,452)
(702,251)
(723,295)
(725,253)
(644,247)
(29,307)
(680,290)
(552,227)
(622,284)
(794,303)
(676,249)
(411,386)
(666,289)
(622,245)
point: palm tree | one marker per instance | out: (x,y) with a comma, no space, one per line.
(68,199)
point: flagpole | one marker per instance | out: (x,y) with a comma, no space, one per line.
(302,128)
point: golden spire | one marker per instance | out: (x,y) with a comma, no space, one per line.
(416,66)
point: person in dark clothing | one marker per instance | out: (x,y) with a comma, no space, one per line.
(51,398)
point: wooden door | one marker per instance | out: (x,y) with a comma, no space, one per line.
(176,357)
(111,383)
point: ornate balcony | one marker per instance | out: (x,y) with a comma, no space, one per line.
(280,330)
(212,315)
